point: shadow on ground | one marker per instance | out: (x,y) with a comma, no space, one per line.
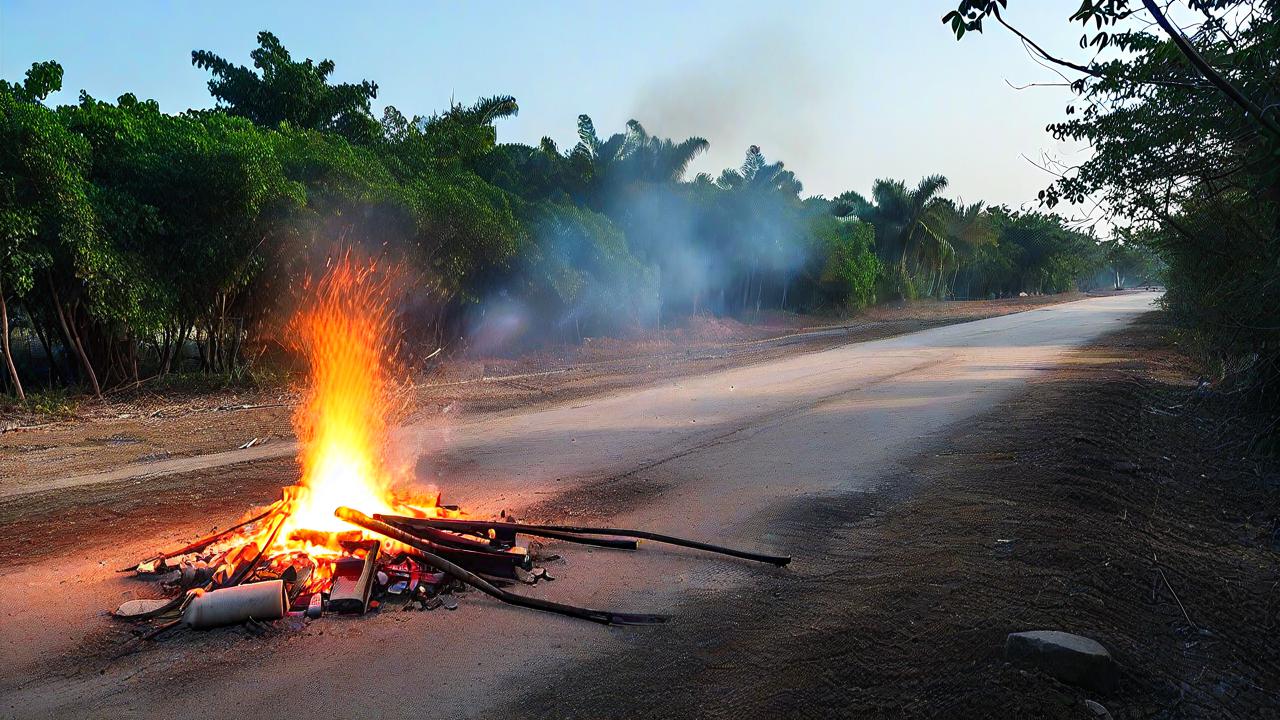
(1111,500)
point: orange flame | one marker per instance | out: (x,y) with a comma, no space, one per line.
(345,332)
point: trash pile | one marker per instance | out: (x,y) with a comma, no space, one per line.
(414,563)
(309,552)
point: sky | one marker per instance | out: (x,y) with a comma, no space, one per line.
(842,92)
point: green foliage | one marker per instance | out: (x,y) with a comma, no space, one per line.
(1131,259)
(1006,253)
(850,268)
(44,197)
(284,90)
(1185,142)
(52,404)
(137,242)
(581,269)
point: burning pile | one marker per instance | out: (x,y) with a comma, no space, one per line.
(349,533)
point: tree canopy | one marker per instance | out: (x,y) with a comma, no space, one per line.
(139,242)
(1177,102)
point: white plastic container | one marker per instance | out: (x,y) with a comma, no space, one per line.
(234,605)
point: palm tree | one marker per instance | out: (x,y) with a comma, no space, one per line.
(910,224)
(968,227)
(763,191)
(458,137)
(756,174)
(633,156)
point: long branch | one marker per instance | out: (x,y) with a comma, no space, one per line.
(778,560)
(1065,63)
(1207,71)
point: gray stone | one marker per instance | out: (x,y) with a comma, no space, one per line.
(1070,658)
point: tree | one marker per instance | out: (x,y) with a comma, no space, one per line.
(846,262)
(1128,260)
(967,228)
(186,203)
(604,167)
(1184,136)
(910,227)
(44,197)
(284,90)
(768,222)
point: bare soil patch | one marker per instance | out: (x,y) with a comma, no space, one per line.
(1111,500)
(56,523)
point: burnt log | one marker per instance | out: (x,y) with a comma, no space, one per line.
(541,530)
(415,525)
(422,552)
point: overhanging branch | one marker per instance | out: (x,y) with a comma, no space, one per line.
(1210,74)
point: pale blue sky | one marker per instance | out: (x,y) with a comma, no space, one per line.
(843,92)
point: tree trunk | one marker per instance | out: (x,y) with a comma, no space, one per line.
(163,351)
(233,350)
(202,346)
(68,327)
(133,359)
(175,357)
(48,349)
(8,355)
(224,345)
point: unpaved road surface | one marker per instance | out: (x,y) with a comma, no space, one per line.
(156,432)
(728,456)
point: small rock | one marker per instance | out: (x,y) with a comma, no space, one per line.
(1070,658)
(525,576)
(134,609)
(450,602)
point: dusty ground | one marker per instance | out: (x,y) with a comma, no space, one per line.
(916,551)
(1107,500)
(149,427)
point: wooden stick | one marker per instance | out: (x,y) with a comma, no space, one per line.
(1175,599)
(203,542)
(778,560)
(252,567)
(419,550)
(455,526)
(446,538)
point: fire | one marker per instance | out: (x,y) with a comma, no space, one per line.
(345,331)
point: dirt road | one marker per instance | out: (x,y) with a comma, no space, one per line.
(153,432)
(729,455)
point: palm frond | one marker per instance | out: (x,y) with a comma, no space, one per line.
(487,110)
(587,137)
